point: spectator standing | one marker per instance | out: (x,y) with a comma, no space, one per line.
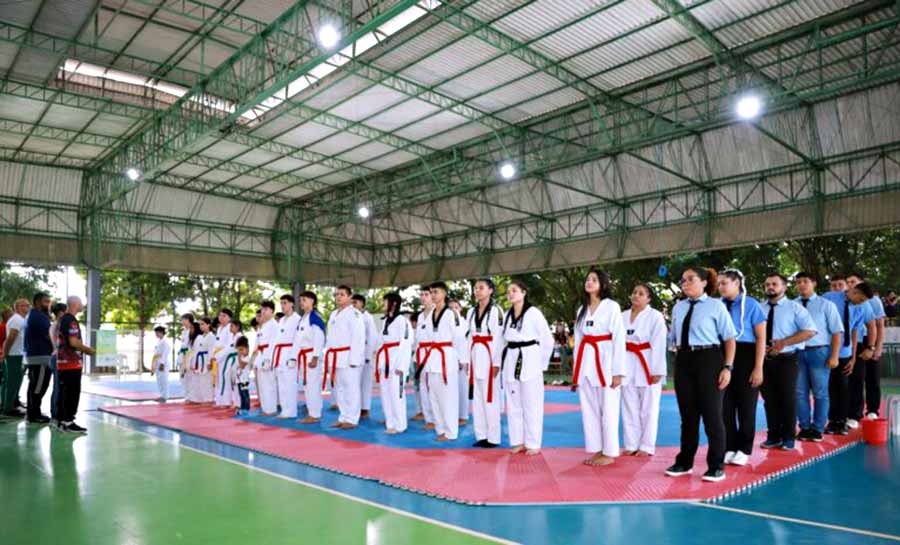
(58,310)
(38,349)
(69,366)
(14,350)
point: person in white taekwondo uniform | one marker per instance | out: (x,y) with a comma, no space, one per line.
(184,354)
(485,323)
(599,368)
(345,343)
(266,337)
(308,345)
(202,363)
(420,342)
(392,356)
(224,342)
(645,371)
(462,385)
(367,376)
(231,356)
(528,346)
(445,348)
(160,366)
(283,360)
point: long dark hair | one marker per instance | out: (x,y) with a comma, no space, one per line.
(737,276)
(195,331)
(393,301)
(707,274)
(510,314)
(604,293)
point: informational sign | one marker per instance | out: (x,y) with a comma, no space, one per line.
(106,347)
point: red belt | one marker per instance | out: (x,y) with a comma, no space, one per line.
(486,341)
(328,353)
(301,360)
(261,347)
(636,349)
(594,341)
(387,360)
(422,346)
(276,359)
(440,347)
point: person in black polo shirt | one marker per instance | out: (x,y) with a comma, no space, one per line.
(68,367)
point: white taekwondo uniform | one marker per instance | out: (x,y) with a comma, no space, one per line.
(345,343)
(528,346)
(645,358)
(423,336)
(285,365)
(309,344)
(224,342)
(392,357)
(266,338)
(367,376)
(600,355)
(201,387)
(163,353)
(485,335)
(446,347)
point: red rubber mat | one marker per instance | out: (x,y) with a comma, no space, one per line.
(480,476)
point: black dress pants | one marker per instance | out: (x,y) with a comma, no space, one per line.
(779,391)
(698,394)
(739,404)
(838,394)
(69,394)
(38,382)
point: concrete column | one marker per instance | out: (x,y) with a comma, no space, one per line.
(92,311)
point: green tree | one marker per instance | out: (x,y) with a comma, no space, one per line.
(240,295)
(23,282)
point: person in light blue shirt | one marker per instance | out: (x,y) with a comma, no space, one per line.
(788,326)
(817,358)
(701,326)
(855,312)
(867,373)
(742,394)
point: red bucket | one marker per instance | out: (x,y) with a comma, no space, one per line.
(875,431)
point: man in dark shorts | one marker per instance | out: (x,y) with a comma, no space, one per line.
(68,365)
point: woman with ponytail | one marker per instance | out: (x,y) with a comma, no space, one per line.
(739,404)
(599,367)
(700,326)
(485,324)
(645,372)
(392,355)
(524,359)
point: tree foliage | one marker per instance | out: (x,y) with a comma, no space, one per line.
(21,282)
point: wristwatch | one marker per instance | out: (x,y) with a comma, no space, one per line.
(728,366)
(872,348)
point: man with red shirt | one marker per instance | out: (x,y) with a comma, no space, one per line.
(68,365)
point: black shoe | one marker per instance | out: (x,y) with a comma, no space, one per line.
(13,413)
(714,475)
(816,436)
(481,443)
(831,429)
(804,435)
(678,470)
(74,428)
(39,420)
(488,444)
(843,430)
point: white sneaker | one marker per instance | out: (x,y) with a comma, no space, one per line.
(729,456)
(739,459)
(852,424)
(871,416)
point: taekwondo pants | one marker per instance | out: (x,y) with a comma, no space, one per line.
(348,394)
(268,391)
(393,401)
(486,416)
(463,384)
(203,387)
(313,390)
(162,383)
(424,399)
(600,418)
(525,412)
(224,368)
(286,377)
(640,416)
(444,403)
(367,377)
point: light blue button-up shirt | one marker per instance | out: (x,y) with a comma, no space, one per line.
(753,316)
(710,322)
(876,312)
(790,317)
(858,316)
(826,317)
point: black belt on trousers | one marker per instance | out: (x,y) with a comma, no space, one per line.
(515,345)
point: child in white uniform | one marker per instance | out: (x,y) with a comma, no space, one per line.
(392,363)
(645,371)
(160,365)
(241,375)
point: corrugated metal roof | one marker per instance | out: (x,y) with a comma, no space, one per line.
(450,61)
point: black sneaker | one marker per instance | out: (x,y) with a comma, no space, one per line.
(39,420)
(13,413)
(481,443)
(831,429)
(678,470)
(488,444)
(844,430)
(804,435)
(714,475)
(816,436)
(74,428)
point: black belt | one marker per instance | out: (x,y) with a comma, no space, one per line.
(697,347)
(515,345)
(817,347)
